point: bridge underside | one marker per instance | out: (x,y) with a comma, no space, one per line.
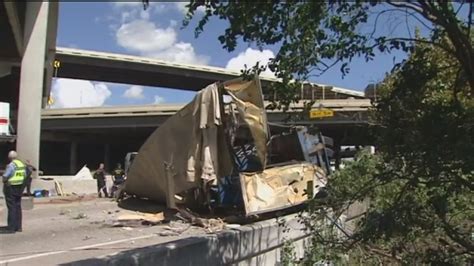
(67,144)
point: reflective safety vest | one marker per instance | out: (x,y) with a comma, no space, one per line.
(19,175)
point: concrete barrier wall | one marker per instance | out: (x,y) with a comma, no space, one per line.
(256,244)
(69,184)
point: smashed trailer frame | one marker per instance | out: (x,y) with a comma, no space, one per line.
(197,149)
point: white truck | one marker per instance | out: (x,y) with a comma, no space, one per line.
(5,125)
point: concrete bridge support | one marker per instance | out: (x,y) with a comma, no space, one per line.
(73,158)
(40,18)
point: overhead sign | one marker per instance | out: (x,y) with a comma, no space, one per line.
(320,113)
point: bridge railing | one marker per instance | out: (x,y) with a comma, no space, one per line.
(345,105)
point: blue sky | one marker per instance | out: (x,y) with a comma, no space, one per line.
(126,28)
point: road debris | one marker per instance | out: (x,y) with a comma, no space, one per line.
(80,215)
(175,228)
(147,217)
(59,188)
(232,226)
(41,193)
(66,200)
(137,219)
(64,211)
(211,225)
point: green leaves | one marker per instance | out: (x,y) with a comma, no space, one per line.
(314,36)
(417,189)
(423,131)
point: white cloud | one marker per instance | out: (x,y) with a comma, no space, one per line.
(143,36)
(135,31)
(158,99)
(181,7)
(73,93)
(250,57)
(173,23)
(148,39)
(131,10)
(134,92)
(201,9)
(165,7)
(144,14)
(181,52)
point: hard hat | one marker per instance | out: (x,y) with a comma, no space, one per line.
(12,155)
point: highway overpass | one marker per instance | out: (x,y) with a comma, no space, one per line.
(346,112)
(27,52)
(73,137)
(137,70)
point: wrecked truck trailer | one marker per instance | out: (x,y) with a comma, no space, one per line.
(220,150)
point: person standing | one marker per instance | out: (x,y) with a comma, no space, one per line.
(28,180)
(13,185)
(99,175)
(118,178)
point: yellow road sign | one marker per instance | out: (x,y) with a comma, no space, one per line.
(56,64)
(50,100)
(320,113)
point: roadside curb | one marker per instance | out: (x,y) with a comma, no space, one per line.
(248,244)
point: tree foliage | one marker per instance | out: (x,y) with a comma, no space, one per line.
(418,188)
(419,185)
(314,36)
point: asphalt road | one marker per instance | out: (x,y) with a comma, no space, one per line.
(56,233)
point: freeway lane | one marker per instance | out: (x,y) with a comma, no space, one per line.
(52,234)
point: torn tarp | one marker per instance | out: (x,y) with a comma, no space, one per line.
(212,153)
(191,146)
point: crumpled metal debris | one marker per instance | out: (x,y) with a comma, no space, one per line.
(175,228)
(193,142)
(211,225)
(138,219)
(280,187)
(80,216)
(187,159)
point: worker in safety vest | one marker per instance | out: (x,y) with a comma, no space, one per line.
(13,185)
(99,175)
(118,176)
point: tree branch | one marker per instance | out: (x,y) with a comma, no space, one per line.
(377,19)
(462,44)
(469,23)
(411,6)
(408,26)
(419,41)
(326,68)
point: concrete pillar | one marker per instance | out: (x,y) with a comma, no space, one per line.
(50,49)
(31,81)
(73,158)
(12,13)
